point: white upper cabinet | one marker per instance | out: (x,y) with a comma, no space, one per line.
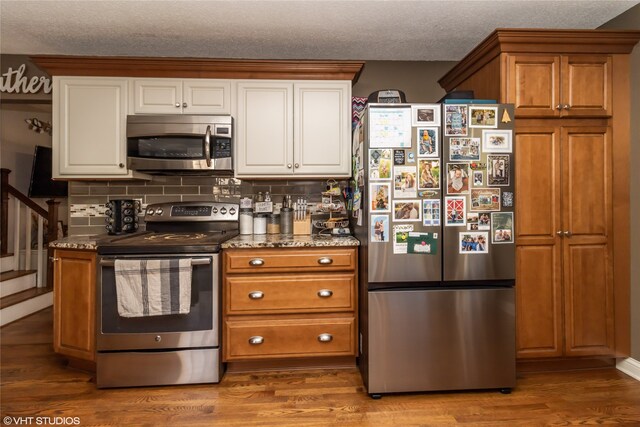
(181,96)
(300,128)
(89,116)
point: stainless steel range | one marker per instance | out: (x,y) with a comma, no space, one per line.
(172,346)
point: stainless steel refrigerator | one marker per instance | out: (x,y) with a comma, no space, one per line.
(434,212)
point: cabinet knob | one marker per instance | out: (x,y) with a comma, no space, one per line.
(289,165)
(158,338)
(297,165)
(53,259)
(325,337)
(177,105)
(325,293)
(184,105)
(566,106)
(121,165)
(559,107)
(256,340)
(325,261)
(256,295)
(559,233)
(568,233)
(256,262)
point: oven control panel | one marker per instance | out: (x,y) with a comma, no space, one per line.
(191,212)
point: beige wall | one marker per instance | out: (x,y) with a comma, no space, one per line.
(417,79)
(630,20)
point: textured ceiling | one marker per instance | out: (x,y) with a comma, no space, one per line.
(362,30)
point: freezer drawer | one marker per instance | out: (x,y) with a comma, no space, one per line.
(449,339)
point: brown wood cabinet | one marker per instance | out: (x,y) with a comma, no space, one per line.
(283,303)
(559,85)
(74,283)
(571,95)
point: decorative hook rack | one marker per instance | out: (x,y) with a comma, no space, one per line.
(38,125)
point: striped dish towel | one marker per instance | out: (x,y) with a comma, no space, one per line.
(153,287)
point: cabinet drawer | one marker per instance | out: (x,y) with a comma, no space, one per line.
(309,293)
(289,338)
(289,260)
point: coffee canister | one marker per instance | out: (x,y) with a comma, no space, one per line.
(273,224)
(246,221)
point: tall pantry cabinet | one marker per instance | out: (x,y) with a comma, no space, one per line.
(570,89)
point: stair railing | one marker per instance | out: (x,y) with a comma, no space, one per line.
(21,201)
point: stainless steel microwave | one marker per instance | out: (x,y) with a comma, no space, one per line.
(185,144)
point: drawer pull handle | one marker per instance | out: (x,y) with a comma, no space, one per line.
(325,261)
(325,337)
(325,293)
(256,262)
(257,340)
(256,295)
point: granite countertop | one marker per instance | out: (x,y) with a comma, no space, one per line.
(80,241)
(282,241)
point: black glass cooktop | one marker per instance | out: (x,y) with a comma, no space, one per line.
(167,242)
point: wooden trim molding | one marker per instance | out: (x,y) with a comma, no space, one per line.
(199,68)
(539,41)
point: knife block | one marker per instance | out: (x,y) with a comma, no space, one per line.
(302,226)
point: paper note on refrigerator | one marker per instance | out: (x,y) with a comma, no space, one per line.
(390,128)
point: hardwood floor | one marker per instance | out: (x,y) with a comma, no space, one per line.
(36,383)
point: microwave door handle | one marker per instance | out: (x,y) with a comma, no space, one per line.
(207,146)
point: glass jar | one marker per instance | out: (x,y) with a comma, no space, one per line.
(273,224)
(246,221)
(259,223)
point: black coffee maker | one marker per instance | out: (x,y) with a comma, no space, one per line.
(122,216)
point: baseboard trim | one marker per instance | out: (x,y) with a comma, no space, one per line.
(630,367)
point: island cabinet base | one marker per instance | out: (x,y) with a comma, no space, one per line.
(278,316)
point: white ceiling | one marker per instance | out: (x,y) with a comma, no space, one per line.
(362,30)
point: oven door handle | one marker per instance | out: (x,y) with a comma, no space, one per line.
(194,261)
(206,142)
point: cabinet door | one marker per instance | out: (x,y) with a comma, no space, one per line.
(322,129)
(90,116)
(202,96)
(587,219)
(74,304)
(538,253)
(586,85)
(264,128)
(533,85)
(157,96)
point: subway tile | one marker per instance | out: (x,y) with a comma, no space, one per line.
(95,229)
(166,180)
(198,198)
(199,180)
(206,189)
(181,189)
(143,190)
(75,221)
(98,220)
(78,191)
(87,200)
(161,199)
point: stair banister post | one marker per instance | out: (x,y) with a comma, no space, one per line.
(4,189)
(52,234)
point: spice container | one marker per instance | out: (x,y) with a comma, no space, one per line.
(273,224)
(246,221)
(259,223)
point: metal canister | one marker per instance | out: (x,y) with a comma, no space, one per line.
(286,221)
(246,221)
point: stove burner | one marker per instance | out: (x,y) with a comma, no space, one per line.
(176,236)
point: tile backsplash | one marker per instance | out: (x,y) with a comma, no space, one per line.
(87,199)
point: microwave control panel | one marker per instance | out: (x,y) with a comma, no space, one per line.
(221,148)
